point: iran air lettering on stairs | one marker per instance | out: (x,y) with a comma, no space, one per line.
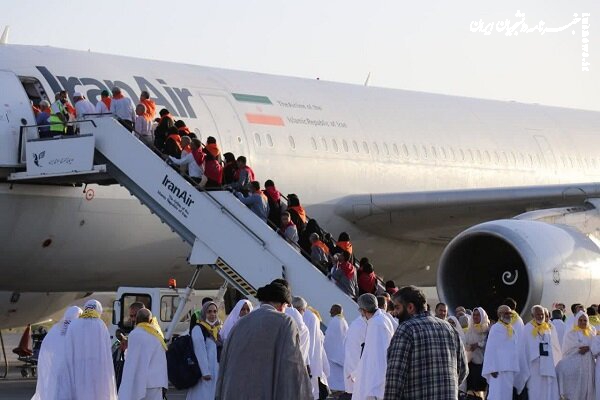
(177,198)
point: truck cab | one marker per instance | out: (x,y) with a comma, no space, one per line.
(163,303)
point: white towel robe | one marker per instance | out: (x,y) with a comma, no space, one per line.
(370,374)
(575,371)
(334,348)
(595,348)
(89,360)
(355,337)
(303,333)
(206,353)
(501,356)
(319,366)
(145,370)
(538,372)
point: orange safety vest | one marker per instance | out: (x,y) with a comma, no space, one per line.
(150,109)
(300,211)
(177,139)
(345,246)
(322,246)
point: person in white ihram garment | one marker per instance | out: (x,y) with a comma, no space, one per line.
(371,371)
(52,371)
(501,360)
(145,370)
(89,360)
(539,351)
(241,309)
(303,334)
(353,344)
(207,341)
(319,366)
(334,347)
(575,371)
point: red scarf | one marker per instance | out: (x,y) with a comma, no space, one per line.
(198,156)
(106,101)
(345,246)
(300,211)
(250,173)
(273,194)
(347,269)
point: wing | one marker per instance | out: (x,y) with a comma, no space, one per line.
(438,216)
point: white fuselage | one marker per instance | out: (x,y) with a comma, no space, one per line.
(320,140)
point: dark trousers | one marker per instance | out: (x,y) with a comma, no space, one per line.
(127,124)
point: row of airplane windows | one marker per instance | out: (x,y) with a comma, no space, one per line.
(423,152)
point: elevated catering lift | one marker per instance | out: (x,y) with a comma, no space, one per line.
(223,232)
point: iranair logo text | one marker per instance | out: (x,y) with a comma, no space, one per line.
(183,195)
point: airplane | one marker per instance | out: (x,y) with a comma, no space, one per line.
(483,199)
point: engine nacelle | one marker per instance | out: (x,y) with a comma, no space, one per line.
(531,261)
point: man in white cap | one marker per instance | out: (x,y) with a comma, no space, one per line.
(145,371)
(88,357)
(370,374)
(355,337)
(52,368)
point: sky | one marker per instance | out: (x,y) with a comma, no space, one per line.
(425,46)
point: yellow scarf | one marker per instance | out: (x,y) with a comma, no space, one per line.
(514,316)
(152,329)
(214,330)
(594,320)
(586,332)
(539,329)
(89,313)
(509,328)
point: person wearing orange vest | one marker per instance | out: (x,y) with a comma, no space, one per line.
(256,201)
(319,253)
(212,164)
(149,104)
(182,127)
(160,133)
(243,176)
(173,143)
(297,212)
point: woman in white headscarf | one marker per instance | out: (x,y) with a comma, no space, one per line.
(51,368)
(575,371)
(475,339)
(241,309)
(205,331)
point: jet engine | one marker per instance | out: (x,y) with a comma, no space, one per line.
(533,262)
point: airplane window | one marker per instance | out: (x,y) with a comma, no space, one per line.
(324,143)
(355,146)
(386,149)
(334,145)
(405,150)
(396,151)
(376,148)
(257,139)
(366,147)
(292,142)
(269,140)
(345,145)
(313,142)
(239,138)
(424,151)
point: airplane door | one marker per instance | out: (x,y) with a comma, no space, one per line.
(15,111)
(228,124)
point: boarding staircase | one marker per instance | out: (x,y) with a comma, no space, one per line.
(222,231)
